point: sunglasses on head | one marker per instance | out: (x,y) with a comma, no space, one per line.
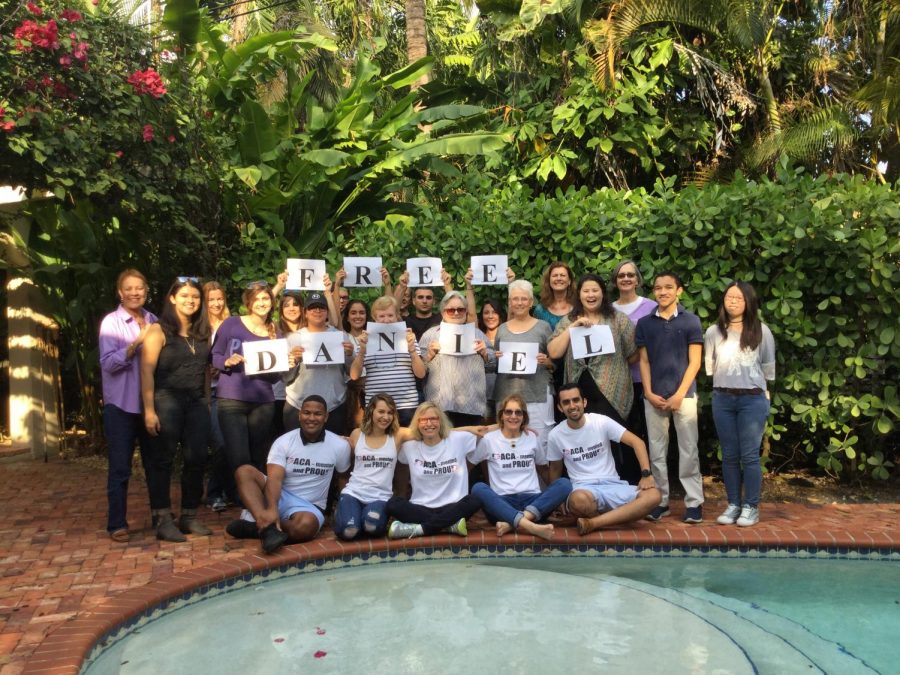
(257,284)
(184,280)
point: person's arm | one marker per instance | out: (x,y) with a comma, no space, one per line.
(447,280)
(558,345)
(655,400)
(339,277)
(640,451)
(342,479)
(153,345)
(280,283)
(113,356)
(555,470)
(695,355)
(543,472)
(418,365)
(402,485)
(472,312)
(401,288)
(386,281)
(221,360)
(359,361)
(334,314)
(274,481)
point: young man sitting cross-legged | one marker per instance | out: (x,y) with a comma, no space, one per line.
(599,497)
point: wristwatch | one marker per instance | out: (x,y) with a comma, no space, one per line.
(645,473)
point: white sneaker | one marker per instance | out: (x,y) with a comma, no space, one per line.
(399,530)
(730,515)
(749,516)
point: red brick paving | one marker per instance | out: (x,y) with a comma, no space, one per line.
(57,562)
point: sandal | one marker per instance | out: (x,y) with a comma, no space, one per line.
(121,536)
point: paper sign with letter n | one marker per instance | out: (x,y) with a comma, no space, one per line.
(424,272)
(518,358)
(322,349)
(489,270)
(386,338)
(305,275)
(362,272)
(265,356)
(457,339)
(591,341)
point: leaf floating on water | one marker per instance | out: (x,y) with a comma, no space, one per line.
(320,631)
(278,640)
(319,654)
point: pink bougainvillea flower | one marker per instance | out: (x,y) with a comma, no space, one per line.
(70,15)
(95,2)
(319,654)
(46,80)
(65,60)
(34,9)
(119,154)
(8,126)
(62,91)
(147,82)
(80,51)
(42,36)
(171,138)
(320,631)
(148,133)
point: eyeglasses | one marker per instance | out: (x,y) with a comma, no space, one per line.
(184,280)
(455,310)
(514,413)
(257,284)
(626,275)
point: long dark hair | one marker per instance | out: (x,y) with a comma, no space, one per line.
(546,295)
(282,324)
(497,306)
(606,308)
(345,315)
(751,332)
(168,317)
(249,295)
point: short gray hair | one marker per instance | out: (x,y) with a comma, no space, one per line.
(454,294)
(522,285)
(618,268)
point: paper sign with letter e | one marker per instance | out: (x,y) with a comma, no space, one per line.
(386,338)
(424,272)
(322,349)
(518,358)
(265,356)
(362,272)
(305,275)
(457,339)
(591,341)
(489,270)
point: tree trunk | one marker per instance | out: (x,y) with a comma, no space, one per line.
(416,43)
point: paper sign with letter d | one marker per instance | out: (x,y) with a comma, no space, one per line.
(518,358)
(265,356)
(591,341)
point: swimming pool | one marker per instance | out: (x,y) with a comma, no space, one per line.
(543,615)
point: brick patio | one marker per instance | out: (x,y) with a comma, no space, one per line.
(57,563)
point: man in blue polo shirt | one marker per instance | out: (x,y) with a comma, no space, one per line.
(671,346)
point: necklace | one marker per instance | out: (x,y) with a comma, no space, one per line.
(191,345)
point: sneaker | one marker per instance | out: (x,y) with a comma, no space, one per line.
(749,516)
(242,529)
(459,527)
(730,515)
(272,538)
(693,514)
(218,504)
(399,530)
(658,513)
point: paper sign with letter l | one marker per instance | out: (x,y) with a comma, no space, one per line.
(489,270)
(457,339)
(386,338)
(322,349)
(362,272)
(591,341)
(305,275)
(518,358)
(265,356)
(424,272)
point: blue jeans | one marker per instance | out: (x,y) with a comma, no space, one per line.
(122,429)
(740,423)
(510,508)
(247,430)
(349,519)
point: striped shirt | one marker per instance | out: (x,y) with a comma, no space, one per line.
(392,374)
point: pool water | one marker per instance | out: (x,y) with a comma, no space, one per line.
(538,615)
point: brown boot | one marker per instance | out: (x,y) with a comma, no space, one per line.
(166,530)
(189,524)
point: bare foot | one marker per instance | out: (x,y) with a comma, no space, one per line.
(584,526)
(542,531)
(503,528)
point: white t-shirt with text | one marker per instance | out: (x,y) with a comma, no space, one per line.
(308,468)
(439,473)
(586,451)
(511,462)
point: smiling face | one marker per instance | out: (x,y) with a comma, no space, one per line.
(666,291)
(511,416)
(261,304)
(520,303)
(132,293)
(454,311)
(626,278)
(382,416)
(386,315)
(215,303)
(429,425)
(312,418)
(560,279)
(571,404)
(591,296)
(356,316)
(291,309)
(490,317)
(186,300)
(735,303)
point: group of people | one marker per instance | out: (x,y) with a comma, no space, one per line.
(414,442)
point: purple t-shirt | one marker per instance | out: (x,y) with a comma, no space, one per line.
(121,376)
(644,308)
(233,384)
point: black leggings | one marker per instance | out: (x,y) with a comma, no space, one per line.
(436,520)
(247,431)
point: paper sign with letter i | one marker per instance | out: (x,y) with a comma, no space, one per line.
(457,339)
(424,272)
(362,272)
(589,341)
(305,275)
(518,358)
(489,270)
(265,356)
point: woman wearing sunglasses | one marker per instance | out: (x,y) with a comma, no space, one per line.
(456,383)
(514,458)
(173,386)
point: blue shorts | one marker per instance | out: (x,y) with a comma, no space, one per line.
(289,504)
(609,494)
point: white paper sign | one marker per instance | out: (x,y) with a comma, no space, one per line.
(322,349)
(518,358)
(305,275)
(386,338)
(591,341)
(489,270)
(424,272)
(362,272)
(265,356)
(457,339)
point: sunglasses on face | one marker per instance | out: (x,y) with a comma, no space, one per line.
(514,413)
(626,275)
(455,310)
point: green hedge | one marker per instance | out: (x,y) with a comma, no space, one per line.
(821,252)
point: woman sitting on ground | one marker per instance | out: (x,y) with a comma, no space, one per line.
(514,458)
(436,465)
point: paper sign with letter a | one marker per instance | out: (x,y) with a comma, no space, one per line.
(457,339)
(591,341)
(265,356)
(305,275)
(424,272)
(518,358)
(362,272)
(322,349)
(489,270)
(386,338)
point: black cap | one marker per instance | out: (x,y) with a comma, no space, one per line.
(315,299)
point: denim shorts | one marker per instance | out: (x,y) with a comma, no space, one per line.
(289,504)
(610,494)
